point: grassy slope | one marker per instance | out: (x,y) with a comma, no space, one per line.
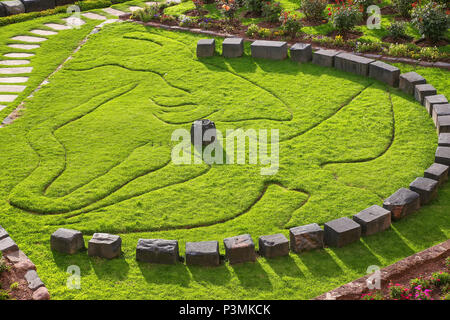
(108,82)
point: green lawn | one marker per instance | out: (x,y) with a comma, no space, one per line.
(92,152)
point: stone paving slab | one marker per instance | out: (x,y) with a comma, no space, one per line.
(135,8)
(16,70)
(43,32)
(93,16)
(10,88)
(19,55)
(7,97)
(113,12)
(56,26)
(24,46)
(73,22)
(2,107)
(14,62)
(14,80)
(29,39)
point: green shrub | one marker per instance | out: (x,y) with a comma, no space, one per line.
(345,18)
(14,286)
(363,45)
(271,11)
(397,30)
(403,7)
(290,23)
(3,266)
(313,9)
(447,262)
(419,281)
(440,279)
(252,30)
(431,20)
(4,295)
(254,6)
(364,3)
(264,33)
(376,295)
(399,292)
(146,14)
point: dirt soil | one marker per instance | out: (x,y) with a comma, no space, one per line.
(9,277)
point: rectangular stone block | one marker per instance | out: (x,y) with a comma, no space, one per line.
(444,140)
(426,188)
(352,63)
(33,280)
(340,232)
(233,47)
(409,80)
(440,110)
(274,50)
(431,101)
(442,155)
(240,249)
(384,72)
(8,244)
(157,251)
(2,10)
(272,246)
(67,241)
(306,238)
(402,203)
(38,5)
(423,90)
(13,7)
(206,48)
(438,172)
(443,124)
(301,52)
(3,233)
(204,253)
(373,220)
(105,245)
(324,58)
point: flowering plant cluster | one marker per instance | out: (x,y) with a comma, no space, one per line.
(376,295)
(313,9)
(345,15)
(431,20)
(399,292)
(404,7)
(271,10)
(147,13)
(185,21)
(422,293)
(290,23)
(228,8)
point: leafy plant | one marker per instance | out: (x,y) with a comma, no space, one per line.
(403,7)
(264,33)
(271,11)
(421,293)
(4,295)
(376,295)
(440,279)
(185,21)
(431,20)
(290,23)
(399,292)
(397,30)
(254,6)
(3,266)
(420,281)
(252,30)
(147,13)
(313,9)
(447,262)
(364,4)
(14,286)
(228,8)
(345,16)
(363,45)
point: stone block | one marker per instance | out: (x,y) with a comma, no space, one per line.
(3,233)
(301,52)
(105,245)
(423,90)
(240,249)
(7,244)
(384,72)
(373,220)
(352,63)
(64,2)
(34,282)
(233,47)
(409,80)
(431,101)
(38,5)
(2,10)
(438,172)
(13,7)
(157,251)
(204,130)
(426,188)
(67,241)
(324,58)
(443,124)
(306,238)
(444,140)
(272,246)
(402,203)
(41,294)
(274,50)
(442,155)
(340,232)
(206,48)
(204,253)
(440,110)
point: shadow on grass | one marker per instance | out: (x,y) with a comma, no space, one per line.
(285,267)
(356,256)
(320,263)
(214,275)
(252,275)
(165,274)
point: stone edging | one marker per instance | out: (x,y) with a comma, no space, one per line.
(441,65)
(24,265)
(354,289)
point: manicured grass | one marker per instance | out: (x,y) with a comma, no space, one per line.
(92,152)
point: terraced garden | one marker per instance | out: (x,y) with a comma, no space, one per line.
(91,150)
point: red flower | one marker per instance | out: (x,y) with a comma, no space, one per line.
(329,13)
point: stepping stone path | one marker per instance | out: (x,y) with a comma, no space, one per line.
(14,80)
(113,12)
(93,16)
(133,8)
(2,107)
(57,27)
(16,70)
(19,55)
(14,62)
(9,88)
(29,39)
(24,46)
(43,32)
(73,22)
